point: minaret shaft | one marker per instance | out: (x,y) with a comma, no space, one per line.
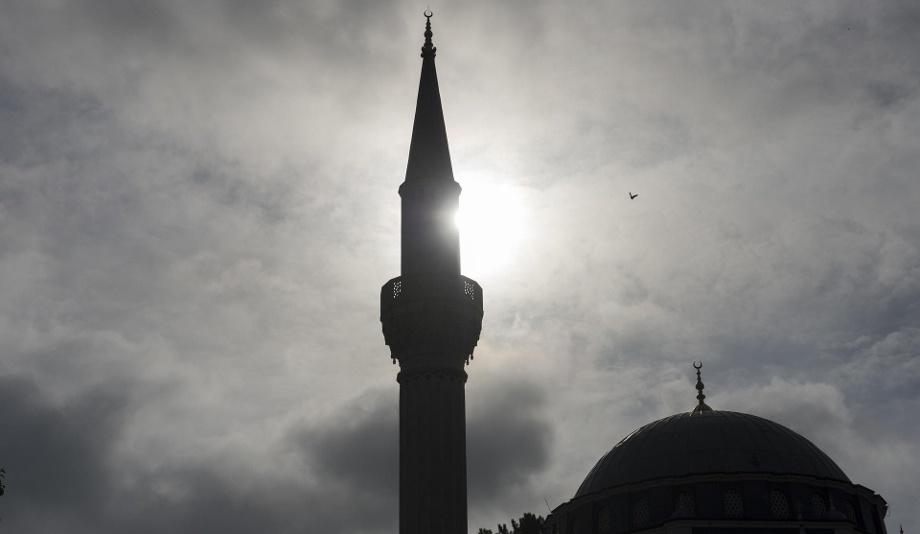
(430,237)
(431,316)
(432,454)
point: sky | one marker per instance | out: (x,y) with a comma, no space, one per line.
(198,206)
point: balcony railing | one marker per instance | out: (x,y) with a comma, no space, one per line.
(420,287)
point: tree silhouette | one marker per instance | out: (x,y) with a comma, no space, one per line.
(528,524)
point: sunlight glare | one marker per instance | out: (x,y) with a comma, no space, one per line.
(491,222)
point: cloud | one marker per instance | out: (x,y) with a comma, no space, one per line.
(198,205)
(509,439)
(820,411)
(57,455)
(355,454)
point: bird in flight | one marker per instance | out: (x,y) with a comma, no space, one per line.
(632,196)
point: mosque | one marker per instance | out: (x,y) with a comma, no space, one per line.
(701,472)
(711,472)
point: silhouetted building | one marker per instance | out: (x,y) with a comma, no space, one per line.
(715,472)
(431,319)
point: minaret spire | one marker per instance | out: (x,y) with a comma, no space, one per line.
(431,316)
(431,197)
(429,156)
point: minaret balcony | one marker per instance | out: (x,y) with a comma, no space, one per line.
(431,314)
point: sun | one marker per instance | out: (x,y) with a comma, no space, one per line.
(492,223)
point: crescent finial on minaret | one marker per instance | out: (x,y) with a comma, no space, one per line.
(429,49)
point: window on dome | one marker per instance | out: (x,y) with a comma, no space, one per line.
(817,506)
(685,503)
(779,505)
(732,504)
(603,520)
(640,513)
(851,512)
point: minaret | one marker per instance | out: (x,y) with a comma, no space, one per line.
(431,319)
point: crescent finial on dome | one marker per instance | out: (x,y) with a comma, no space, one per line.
(702,406)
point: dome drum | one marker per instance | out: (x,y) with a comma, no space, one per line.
(772,503)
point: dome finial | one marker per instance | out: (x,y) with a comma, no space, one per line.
(429,49)
(701,407)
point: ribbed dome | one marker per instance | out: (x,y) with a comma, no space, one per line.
(712,442)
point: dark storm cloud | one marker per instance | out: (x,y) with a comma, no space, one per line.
(509,438)
(354,456)
(62,468)
(199,501)
(355,451)
(57,454)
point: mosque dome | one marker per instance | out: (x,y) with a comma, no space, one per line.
(710,471)
(708,442)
